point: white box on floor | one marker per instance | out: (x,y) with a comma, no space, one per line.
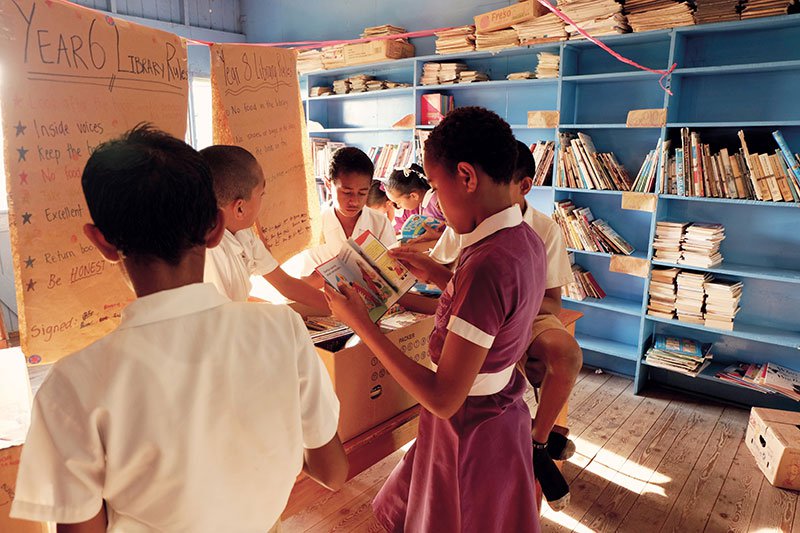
(773,438)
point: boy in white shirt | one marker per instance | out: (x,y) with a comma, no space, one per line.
(551,344)
(239,188)
(197,413)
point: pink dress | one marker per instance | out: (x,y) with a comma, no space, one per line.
(473,472)
(429,206)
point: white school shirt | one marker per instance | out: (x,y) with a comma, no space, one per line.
(333,238)
(191,416)
(238,256)
(559,270)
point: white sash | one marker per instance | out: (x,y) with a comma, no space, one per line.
(490,383)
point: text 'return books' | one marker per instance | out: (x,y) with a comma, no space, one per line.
(365,264)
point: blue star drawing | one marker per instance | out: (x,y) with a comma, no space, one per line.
(20,128)
(31,285)
(26,217)
(29,262)
(22,152)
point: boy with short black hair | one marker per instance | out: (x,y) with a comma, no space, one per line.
(239,188)
(195,407)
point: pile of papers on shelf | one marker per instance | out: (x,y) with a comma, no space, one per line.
(470,76)
(687,356)
(764,8)
(377,31)
(700,245)
(663,293)
(722,303)
(716,10)
(596,17)
(496,40)
(320,91)
(767,378)
(543,29)
(667,242)
(547,65)
(358,83)
(691,296)
(647,15)
(527,75)
(441,73)
(309,61)
(456,40)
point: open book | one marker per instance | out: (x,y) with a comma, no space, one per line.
(364,262)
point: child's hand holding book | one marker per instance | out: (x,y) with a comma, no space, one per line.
(347,306)
(422,266)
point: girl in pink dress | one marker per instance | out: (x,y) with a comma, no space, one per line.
(410,191)
(470,469)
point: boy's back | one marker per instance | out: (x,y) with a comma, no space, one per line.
(180,418)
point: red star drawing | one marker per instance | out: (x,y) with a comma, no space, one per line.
(23,178)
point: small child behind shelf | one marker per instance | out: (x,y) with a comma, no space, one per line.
(377,200)
(239,188)
(409,190)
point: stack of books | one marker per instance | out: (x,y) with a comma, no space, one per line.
(722,303)
(700,246)
(547,65)
(441,73)
(320,91)
(527,75)
(390,156)
(385,29)
(582,231)
(358,83)
(596,17)
(663,292)
(309,61)
(496,40)
(653,167)
(456,40)
(322,150)
(543,29)
(584,286)
(325,328)
(580,166)
(764,8)
(667,242)
(420,136)
(471,76)
(543,155)
(716,11)
(767,378)
(687,356)
(647,15)
(691,296)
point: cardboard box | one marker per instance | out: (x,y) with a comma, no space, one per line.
(374,51)
(505,17)
(773,438)
(368,395)
(9,463)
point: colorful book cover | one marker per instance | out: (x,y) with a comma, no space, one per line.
(417,225)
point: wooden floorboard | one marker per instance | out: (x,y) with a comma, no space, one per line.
(656,462)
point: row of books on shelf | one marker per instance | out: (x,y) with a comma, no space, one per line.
(584,286)
(582,231)
(360,83)
(543,152)
(767,378)
(689,243)
(694,297)
(385,158)
(453,72)
(581,166)
(678,354)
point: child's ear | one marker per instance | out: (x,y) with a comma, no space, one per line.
(215,234)
(467,175)
(414,195)
(106,249)
(525,185)
(238,208)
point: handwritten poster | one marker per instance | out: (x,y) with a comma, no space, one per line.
(256,105)
(73,78)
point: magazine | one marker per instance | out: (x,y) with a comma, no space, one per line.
(365,264)
(417,225)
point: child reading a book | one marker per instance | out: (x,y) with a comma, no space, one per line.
(169,422)
(409,190)
(470,468)
(377,200)
(239,188)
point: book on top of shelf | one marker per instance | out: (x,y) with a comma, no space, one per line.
(365,264)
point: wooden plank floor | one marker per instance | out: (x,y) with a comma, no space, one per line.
(657,462)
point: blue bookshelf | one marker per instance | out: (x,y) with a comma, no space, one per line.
(729,76)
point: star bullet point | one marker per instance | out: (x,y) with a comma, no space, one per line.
(29,262)
(31,285)
(20,127)
(22,151)
(23,178)
(26,218)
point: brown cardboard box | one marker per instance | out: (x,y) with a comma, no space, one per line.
(9,463)
(368,395)
(374,51)
(505,17)
(773,438)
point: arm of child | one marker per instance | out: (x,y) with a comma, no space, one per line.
(298,290)
(551,303)
(96,524)
(327,465)
(314,280)
(419,304)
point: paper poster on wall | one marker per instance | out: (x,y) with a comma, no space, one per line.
(256,105)
(74,78)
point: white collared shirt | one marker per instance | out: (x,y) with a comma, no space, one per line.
(191,416)
(333,238)
(238,256)
(559,271)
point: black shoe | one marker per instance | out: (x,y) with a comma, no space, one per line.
(559,447)
(554,486)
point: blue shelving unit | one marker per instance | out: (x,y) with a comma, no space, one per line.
(730,76)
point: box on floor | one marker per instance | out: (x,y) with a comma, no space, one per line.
(773,437)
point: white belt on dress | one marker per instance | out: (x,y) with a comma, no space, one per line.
(488,383)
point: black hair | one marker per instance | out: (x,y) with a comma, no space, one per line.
(234,170)
(406,182)
(150,194)
(476,136)
(377,194)
(525,166)
(350,160)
